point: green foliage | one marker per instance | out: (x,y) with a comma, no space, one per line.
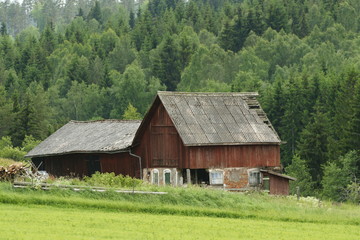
(334,182)
(6,162)
(110,180)
(29,143)
(300,171)
(7,150)
(91,59)
(14,153)
(131,113)
(340,177)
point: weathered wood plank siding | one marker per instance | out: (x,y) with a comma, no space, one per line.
(77,164)
(160,145)
(278,185)
(234,156)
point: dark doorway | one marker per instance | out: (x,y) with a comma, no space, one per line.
(198,176)
(39,164)
(93,164)
(167,178)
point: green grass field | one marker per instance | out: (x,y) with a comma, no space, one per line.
(182,214)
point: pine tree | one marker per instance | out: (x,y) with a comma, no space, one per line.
(313,144)
(6,114)
(167,65)
(3,29)
(354,128)
(240,31)
(255,21)
(226,37)
(95,13)
(276,16)
(132,20)
(299,169)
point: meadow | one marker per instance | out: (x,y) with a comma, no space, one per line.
(192,213)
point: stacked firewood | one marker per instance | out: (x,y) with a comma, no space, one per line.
(12,171)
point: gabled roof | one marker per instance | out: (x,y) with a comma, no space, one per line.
(218,118)
(105,136)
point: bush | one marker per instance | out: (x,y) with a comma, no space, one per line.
(339,178)
(353,193)
(29,143)
(16,153)
(13,153)
(112,180)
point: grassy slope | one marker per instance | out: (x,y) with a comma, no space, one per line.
(6,162)
(219,214)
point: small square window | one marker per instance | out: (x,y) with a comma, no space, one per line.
(216,177)
(254,178)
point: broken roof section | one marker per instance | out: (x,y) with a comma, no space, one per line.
(106,136)
(219,118)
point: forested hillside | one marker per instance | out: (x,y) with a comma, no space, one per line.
(85,59)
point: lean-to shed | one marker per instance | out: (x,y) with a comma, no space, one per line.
(217,139)
(81,148)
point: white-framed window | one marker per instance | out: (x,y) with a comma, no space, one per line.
(155,177)
(254,177)
(216,177)
(167,176)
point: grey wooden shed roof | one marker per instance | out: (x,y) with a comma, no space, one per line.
(219,118)
(88,136)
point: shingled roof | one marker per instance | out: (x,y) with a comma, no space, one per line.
(88,137)
(219,118)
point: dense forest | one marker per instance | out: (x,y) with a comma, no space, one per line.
(85,59)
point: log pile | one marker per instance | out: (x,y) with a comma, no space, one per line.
(12,171)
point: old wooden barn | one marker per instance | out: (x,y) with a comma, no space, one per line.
(217,139)
(214,139)
(82,148)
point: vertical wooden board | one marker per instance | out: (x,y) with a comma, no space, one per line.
(234,156)
(278,185)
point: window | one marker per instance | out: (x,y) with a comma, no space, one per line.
(216,177)
(167,176)
(254,178)
(266,183)
(155,177)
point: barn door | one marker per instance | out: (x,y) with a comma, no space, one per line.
(93,164)
(164,146)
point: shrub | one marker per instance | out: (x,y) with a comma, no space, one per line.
(112,180)
(14,153)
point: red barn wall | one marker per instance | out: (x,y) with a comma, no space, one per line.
(234,156)
(76,164)
(160,145)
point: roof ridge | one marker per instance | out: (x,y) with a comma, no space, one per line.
(105,120)
(253,94)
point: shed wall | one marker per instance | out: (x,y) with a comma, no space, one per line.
(279,185)
(77,164)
